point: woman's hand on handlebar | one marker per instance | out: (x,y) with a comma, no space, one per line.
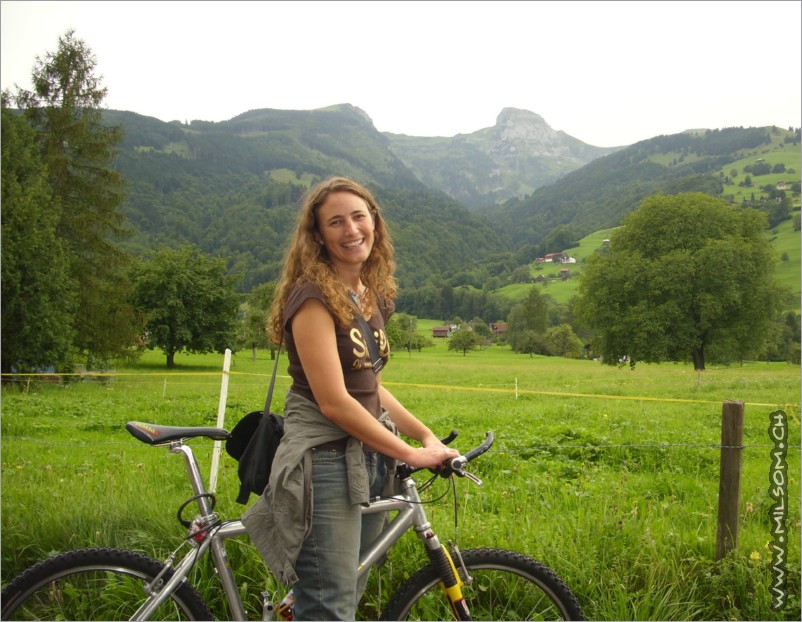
(431,455)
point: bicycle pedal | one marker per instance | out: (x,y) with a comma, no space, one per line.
(268,608)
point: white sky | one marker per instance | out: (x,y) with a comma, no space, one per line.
(607,73)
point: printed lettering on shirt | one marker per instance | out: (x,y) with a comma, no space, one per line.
(361,352)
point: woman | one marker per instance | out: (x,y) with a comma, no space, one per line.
(340,421)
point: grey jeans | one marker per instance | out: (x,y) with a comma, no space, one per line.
(327,586)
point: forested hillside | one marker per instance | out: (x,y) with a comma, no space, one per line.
(232,188)
(600,194)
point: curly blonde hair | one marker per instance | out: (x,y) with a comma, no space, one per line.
(308,261)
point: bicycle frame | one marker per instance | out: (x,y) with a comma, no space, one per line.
(407,503)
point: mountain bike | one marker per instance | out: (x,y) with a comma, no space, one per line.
(118,584)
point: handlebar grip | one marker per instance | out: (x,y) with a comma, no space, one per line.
(490,438)
(450,438)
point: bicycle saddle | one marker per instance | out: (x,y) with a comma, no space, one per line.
(154,434)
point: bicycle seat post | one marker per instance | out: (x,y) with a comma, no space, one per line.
(195,477)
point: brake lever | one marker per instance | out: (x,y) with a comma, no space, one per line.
(457,466)
(470,476)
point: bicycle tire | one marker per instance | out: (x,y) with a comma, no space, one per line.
(95,584)
(506,586)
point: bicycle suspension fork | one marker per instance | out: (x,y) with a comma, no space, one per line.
(450,578)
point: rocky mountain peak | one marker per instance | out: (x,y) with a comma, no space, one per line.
(520,132)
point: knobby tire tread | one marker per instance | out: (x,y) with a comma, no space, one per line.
(503,561)
(48,570)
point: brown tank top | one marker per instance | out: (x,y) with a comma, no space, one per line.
(360,381)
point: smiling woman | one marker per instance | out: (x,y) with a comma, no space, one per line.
(341,424)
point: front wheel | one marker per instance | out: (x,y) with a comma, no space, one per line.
(506,586)
(95,584)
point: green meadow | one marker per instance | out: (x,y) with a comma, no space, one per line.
(608,475)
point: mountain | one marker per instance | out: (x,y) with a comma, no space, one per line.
(519,154)
(233,189)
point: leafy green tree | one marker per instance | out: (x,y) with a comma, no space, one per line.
(530,315)
(38,298)
(687,275)
(557,240)
(481,328)
(253,325)
(522,274)
(189,301)
(402,331)
(463,340)
(529,342)
(78,151)
(562,341)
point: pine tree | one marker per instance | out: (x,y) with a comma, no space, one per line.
(78,151)
(38,301)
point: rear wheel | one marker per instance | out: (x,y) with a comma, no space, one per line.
(95,584)
(506,586)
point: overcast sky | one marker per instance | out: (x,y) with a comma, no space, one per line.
(607,73)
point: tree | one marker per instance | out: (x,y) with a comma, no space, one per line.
(529,342)
(38,301)
(522,274)
(78,151)
(530,315)
(189,301)
(402,331)
(253,326)
(462,340)
(562,341)
(481,328)
(687,276)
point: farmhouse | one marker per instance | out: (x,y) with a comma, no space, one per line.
(556,258)
(441,331)
(498,328)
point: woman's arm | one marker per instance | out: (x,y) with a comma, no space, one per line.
(408,424)
(314,333)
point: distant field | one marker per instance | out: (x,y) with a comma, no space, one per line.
(787,154)
(786,242)
(778,152)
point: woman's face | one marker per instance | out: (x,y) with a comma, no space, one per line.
(346,229)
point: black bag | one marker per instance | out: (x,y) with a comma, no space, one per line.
(253,442)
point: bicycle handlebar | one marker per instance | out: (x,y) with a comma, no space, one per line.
(453,466)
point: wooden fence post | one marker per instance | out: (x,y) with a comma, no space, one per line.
(732,435)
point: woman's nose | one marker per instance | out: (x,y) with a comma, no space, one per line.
(351,225)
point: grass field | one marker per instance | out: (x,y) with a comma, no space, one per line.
(608,475)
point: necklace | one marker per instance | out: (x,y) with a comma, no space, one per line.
(360,298)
